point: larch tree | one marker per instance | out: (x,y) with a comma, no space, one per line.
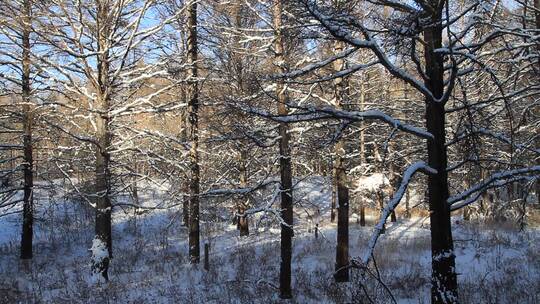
(100,49)
(285,167)
(341,180)
(537,111)
(16,27)
(193,132)
(374,91)
(28,214)
(437,66)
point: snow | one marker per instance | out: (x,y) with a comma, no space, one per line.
(392,205)
(319,113)
(372,183)
(99,250)
(100,257)
(495,180)
(151,262)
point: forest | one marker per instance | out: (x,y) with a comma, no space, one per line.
(270,151)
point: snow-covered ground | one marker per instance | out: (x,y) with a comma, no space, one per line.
(496,263)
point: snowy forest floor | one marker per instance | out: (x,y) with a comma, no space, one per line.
(496,263)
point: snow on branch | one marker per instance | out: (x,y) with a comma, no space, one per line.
(498,136)
(317,65)
(239,191)
(391,206)
(351,70)
(314,113)
(399,6)
(337,27)
(268,209)
(496,180)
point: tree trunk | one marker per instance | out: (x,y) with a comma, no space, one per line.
(380,200)
(362,148)
(485,204)
(537,112)
(207,257)
(134,186)
(243,224)
(362,132)
(394,183)
(443,279)
(393,217)
(407,203)
(28,172)
(185,183)
(334,193)
(362,101)
(243,204)
(362,215)
(103,180)
(193,134)
(284,161)
(342,249)
(466,185)
(135,196)
(103,137)
(185,204)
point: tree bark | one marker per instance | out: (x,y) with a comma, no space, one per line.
(362,146)
(243,204)
(193,134)
(103,137)
(394,183)
(207,257)
(467,181)
(380,199)
(243,224)
(185,183)
(537,111)
(134,185)
(28,170)
(103,179)
(485,204)
(443,279)
(362,132)
(284,161)
(342,249)
(407,203)
(334,193)
(362,215)
(185,204)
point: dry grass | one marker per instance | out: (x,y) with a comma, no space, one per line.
(533,217)
(148,268)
